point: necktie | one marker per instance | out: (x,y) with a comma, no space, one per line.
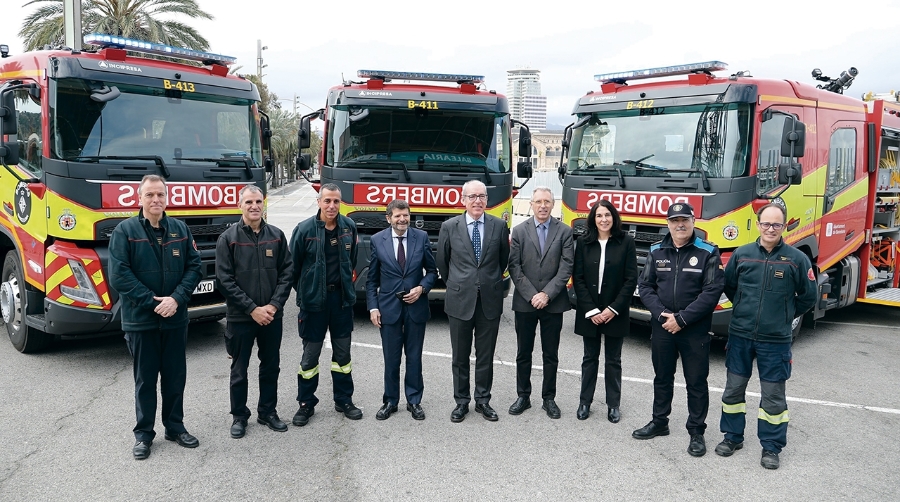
(401,253)
(542,236)
(476,241)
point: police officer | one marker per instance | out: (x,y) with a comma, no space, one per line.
(253,266)
(681,284)
(323,251)
(770,283)
(154,265)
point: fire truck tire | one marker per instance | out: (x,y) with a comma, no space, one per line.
(13,300)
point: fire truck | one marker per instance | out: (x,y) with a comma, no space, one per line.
(729,144)
(79,131)
(417,137)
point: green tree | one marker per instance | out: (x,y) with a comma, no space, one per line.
(127,18)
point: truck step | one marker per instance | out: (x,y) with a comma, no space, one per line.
(37,321)
(886,294)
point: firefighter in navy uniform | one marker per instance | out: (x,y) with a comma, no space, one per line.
(323,250)
(771,284)
(681,284)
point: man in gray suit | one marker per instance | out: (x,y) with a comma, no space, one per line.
(472,254)
(540,264)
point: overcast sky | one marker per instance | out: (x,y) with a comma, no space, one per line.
(313,45)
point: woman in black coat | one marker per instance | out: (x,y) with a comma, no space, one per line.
(607,301)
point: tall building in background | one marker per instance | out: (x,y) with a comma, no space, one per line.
(523,88)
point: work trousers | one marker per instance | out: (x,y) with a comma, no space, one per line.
(693,348)
(240,337)
(774,361)
(404,336)
(484,332)
(526,325)
(612,370)
(337,321)
(159,355)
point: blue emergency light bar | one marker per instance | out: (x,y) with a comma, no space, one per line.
(431,77)
(662,71)
(157,49)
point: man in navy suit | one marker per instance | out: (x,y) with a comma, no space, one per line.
(401,273)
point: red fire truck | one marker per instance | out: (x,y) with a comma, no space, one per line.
(79,131)
(728,144)
(418,137)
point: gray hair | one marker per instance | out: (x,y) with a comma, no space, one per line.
(465,187)
(541,188)
(150,178)
(327,186)
(249,188)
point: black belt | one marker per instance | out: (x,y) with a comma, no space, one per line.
(333,287)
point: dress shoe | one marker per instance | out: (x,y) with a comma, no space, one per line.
(459,413)
(184,439)
(273,422)
(141,449)
(238,428)
(385,411)
(727,448)
(614,415)
(584,411)
(416,410)
(487,412)
(550,407)
(697,446)
(521,404)
(349,410)
(301,418)
(769,460)
(650,431)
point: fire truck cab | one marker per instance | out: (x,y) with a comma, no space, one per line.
(729,145)
(79,131)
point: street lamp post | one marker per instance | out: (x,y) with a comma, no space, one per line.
(259,59)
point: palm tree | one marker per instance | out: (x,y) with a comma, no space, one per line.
(127,18)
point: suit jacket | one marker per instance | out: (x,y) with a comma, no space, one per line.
(619,281)
(464,277)
(532,272)
(386,278)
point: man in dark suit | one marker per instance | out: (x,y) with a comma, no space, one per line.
(472,254)
(401,273)
(540,264)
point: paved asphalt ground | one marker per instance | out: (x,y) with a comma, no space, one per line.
(67,415)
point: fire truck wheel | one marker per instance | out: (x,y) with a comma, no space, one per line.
(13,305)
(795,328)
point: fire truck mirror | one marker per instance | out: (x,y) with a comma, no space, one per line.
(303,140)
(8,113)
(270,164)
(793,138)
(303,162)
(523,169)
(524,142)
(790,173)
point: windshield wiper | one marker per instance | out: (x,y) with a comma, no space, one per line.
(640,163)
(703,175)
(242,160)
(592,167)
(155,158)
(378,163)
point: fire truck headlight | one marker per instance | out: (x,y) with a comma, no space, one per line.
(85,291)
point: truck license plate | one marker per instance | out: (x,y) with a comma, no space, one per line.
(207,286)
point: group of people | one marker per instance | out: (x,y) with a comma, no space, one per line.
(155,266)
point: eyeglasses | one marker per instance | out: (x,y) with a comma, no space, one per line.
(765,225)
(480,196)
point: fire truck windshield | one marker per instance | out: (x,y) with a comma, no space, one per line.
(149,121)
(665,141)
(420,139)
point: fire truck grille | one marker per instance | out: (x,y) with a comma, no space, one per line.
(371,224)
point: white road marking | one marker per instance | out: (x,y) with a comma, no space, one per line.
(861,325)
(718,390)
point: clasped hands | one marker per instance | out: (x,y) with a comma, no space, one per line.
(540,300)
(603,317)
(264,315)
(671,325)
(409,298)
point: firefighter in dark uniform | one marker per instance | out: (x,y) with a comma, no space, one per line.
(154,265)
(253,266)
(770,284)
(323,251)
(681,284)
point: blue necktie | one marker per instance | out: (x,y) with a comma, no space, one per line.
(542,236)
(476,241)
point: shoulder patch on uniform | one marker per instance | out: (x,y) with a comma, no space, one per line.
(704,245)
(655,246)
(810,274)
